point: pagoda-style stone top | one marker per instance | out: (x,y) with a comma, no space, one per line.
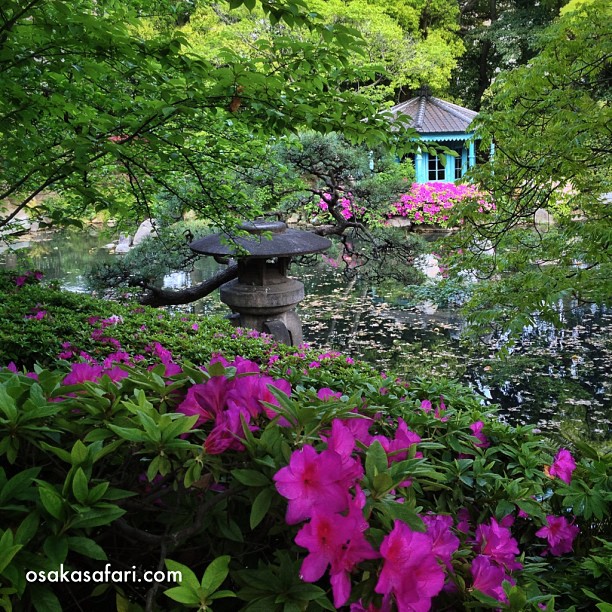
(284,242)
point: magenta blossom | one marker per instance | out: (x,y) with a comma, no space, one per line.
(227,434)
(497,542)
(477,428)
(83,372)
(444,541)
(325,394)
(559,533)
(562,466)
(335,540)
(313,480)
(410,570)
(489,578)
(205,399)
(463,520)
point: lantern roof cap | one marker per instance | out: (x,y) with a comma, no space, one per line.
(267,239)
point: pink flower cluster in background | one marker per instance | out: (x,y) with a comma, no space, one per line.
(433,202)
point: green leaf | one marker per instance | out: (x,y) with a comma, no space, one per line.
(215,574)
(96,517)
(376,460)
(260,507)
(251,478)
(8,405)
(129,433)
(43,599)
(56,549)
(7,549)
(18,484)
(27,529)
(405,514)
(183,595)
(51,501)
(80,486)
(188,578)
(87,547)
(79,453)
(59,452)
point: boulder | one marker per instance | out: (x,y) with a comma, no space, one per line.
(144,231)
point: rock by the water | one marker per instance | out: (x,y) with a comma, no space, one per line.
(124,244)
(144,231)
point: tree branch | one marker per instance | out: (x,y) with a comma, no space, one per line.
(154,296)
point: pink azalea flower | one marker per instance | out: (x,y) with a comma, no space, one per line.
(264,396)
(426,405)
(563,465)
(410,570)
(20,281)
(335,540)
(227,434)
(326,394)
(359,428)
(342,442)
(444,541)
(477,433)
(360,607)
(497,542)
(206,400)
(116,374)
(559,533)
(83,372)
(488,578)
(40,314)
(244,366)
(507,521)
(397,449)
(312,480)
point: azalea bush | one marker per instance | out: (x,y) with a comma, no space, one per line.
(39,323)
(297,481)
(433,203)
(373,493)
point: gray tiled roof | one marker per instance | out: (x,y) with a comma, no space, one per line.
(429,115)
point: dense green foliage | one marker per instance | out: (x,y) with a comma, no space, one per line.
(99,102)
(498,35)
(550,122)
(75,318)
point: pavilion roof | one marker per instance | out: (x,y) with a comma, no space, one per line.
(430,115)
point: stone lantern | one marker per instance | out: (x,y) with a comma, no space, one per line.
(263,297)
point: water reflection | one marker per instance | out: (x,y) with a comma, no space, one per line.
(553,377)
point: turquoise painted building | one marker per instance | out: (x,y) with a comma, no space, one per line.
(441,122)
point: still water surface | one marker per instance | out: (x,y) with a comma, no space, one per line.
(554,378)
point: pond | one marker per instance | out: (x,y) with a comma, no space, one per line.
(554,378)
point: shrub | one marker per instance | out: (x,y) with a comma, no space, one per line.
(303,482)
(433,203)
(40,323)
